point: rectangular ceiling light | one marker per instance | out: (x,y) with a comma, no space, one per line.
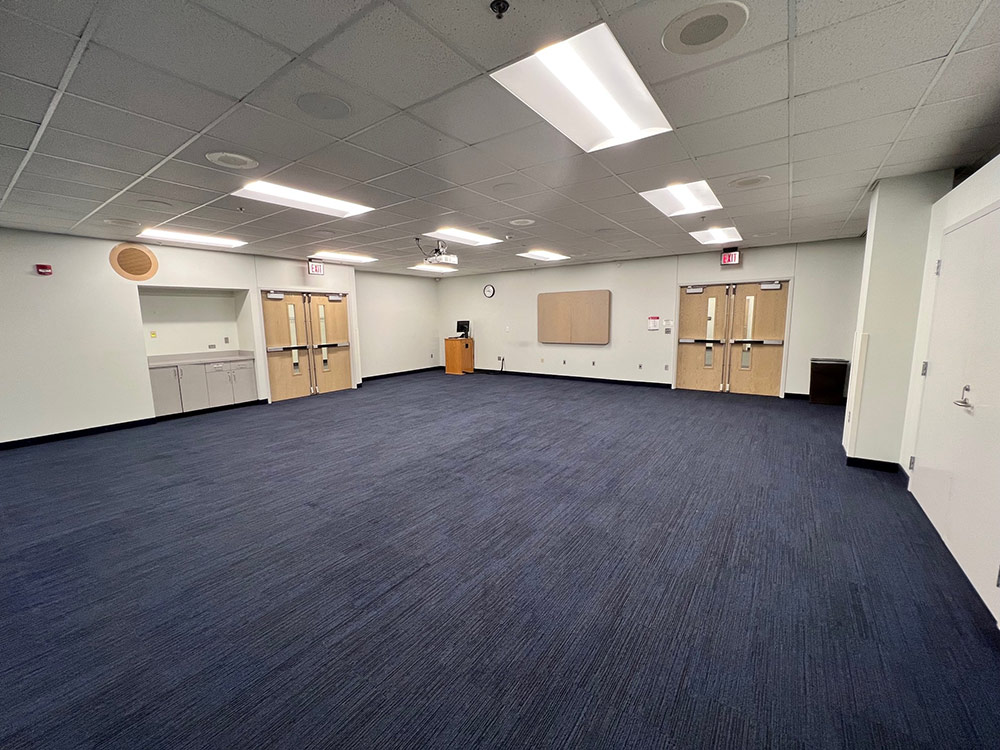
(190,239)
(587,89)
(434,268)
(450,234)
(281,195)
(677,200)
(717,235)
(343,257)
(543,255)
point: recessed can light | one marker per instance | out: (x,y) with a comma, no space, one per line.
(521,222)
(704,28)
(323,106)
(231,160)
(752,181)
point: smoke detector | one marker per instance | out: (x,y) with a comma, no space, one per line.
(230,160)
(704,28)
(521,222)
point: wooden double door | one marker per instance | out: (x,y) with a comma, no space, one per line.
(308,343)
(730,337)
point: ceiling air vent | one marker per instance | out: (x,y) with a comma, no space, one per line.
(704,28)
(230,160)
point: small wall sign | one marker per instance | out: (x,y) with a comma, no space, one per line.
(317,268)
(729,258)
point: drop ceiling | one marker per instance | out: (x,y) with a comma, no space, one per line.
(107,110)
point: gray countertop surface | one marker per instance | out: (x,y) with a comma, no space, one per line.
(199,358)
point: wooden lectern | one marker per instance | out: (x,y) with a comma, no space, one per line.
(459,356)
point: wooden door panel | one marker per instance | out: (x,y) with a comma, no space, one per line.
(286,325)
(757,315)
(328,325)
(333,372)
(692,372)
(288,378)
(702,316)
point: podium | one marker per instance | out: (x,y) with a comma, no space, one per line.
(459,356)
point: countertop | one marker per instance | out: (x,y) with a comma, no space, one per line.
(199,358)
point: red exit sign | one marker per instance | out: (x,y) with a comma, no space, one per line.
(730,258)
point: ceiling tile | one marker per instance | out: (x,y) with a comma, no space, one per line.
(70,17)
(901,34)
(108,77)
(747,159)
(863,99)
(201,177)
(23,99)
(619,204)
(74,206)
(830,198)
(811,15)
(766,194)
(89,118)
(725,185)
(465,166)
(458,198)
(257,129)
(567,171)
(92,151)
(419,209)
(665,174)
(50,166)
(760,78)
(986,31)
(31,51)
(525,28)
(55,186)
(405,139)
(927,165)
(494,211)
(197,151)
(15,132)
(833,182)
(412,182)
(753,126)
(872,132)
(950,143)
(281,97)
(541,201)
(297,26)
(968,74)
(348,160)
(606,187)
(847,161)
(312,180)
(151,188)
(958,114)
(640,29)
(533,145)
(191,43)
(369,195)
(390,55)
(476,111)
(648,152)
(507,186)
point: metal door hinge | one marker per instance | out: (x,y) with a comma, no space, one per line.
(998,579)
(923,368)
(937,267)
(913,462)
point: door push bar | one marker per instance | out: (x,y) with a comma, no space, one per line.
(341,345)
(701,341)
(764,342)
(301,347)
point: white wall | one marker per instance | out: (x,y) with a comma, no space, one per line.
(397,321)
(822,315)
(184,321)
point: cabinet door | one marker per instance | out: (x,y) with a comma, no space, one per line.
(194,387)
(220,383)
(166,390)
(244,382)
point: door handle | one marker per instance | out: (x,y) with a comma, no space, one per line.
(964,400)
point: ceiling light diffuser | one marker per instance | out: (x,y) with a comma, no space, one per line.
(717,235)
(268,192)
(190,239)
(343,257)
(543,255)
(587,89)
(689,198)
(433,268)
(450,234)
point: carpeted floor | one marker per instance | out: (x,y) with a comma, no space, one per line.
(482,562)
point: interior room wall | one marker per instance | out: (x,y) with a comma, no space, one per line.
(183,321)
(397,322)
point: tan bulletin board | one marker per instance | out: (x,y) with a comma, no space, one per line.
(574,317)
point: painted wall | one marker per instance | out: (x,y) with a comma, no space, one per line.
(822,315)
(184,321)
(397,321)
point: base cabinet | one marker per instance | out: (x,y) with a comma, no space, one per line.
(166,390)
(192,387)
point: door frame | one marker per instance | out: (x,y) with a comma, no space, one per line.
(767,279)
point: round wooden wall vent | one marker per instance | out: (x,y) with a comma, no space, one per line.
(133,261)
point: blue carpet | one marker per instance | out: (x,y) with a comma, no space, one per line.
(482,562)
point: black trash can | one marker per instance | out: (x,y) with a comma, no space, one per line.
(828,381)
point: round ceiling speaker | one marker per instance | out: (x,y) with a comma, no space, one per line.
(133,261)
(230,160)
(154,204)
(704,28)
(747,182)
(123,223)
(521,222)
(323,106)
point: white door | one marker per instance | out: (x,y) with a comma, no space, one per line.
(956,477)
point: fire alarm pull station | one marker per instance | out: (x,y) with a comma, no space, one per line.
(43,269)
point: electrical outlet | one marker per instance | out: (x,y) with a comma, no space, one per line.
(593,364)
(211,346)
(226,340)
(498,358)
(666,368)
(432,356)
(640,367)
(564,361)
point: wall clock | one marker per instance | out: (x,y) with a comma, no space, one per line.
(489,290)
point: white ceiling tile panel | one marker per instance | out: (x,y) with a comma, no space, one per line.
(405,139)
(606,187)
(197,152)
(958,114)
(894,91)
(986,31)
(759,78)
(15,132)
(724,185)
(567,171)
(349,160)
(541,201)
(849,161)
(32,51)
(296,26)
(281,97)
(925,165)
(507,186)
(619,204)
(533,145)
(476,111)
(413,183)
(647,152)
(96,120)
(171,192)
(43,184)
(872,132)
(69,170)
(108,77)
(72,206)
(23,99)
(199,46)
(390,55)
(811,15)
(663,175)
(640,29)
(465,166)
(898,35)
(92,151)
(257,129)
(197,176)
(950,143)
(968,74)
(747,128)
(748,159)
(70,16)
(757,208)
(833,182)
(829,198)
(458,198)
(369,195)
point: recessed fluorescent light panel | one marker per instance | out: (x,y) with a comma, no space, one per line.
(268,192)
(190,239)
(677,200)
(432,268)
(450,234)
(343,257)
(587,89)
(717,235)
(543,255)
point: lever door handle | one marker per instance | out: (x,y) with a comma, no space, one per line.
(964,400)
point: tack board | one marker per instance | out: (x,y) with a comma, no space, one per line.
(575,317)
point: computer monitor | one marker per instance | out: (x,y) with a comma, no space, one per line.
(463,328)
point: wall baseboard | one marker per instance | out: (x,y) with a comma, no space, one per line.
(574,377)
(397,374)
(55,437)
(868,463)
(797,396)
